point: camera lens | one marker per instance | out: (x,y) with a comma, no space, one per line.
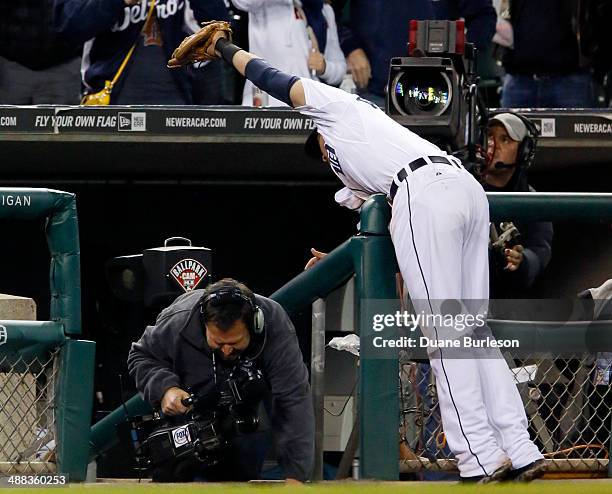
(421,92)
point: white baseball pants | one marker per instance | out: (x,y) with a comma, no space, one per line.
(440,230)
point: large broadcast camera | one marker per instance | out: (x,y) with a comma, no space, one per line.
(176,448)
(433,91)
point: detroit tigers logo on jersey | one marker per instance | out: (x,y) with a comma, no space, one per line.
(333,159)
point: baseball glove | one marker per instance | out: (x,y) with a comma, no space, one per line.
(195,48)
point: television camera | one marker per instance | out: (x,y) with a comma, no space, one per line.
(434,91)
(176,448)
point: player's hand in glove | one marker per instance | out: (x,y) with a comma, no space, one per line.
(317,257)
(200,46)
(514,257)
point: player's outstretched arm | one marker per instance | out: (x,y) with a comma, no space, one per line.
(282,86)
(213,41)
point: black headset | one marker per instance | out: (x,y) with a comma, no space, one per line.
(527,148)
(525,154)
(228,294)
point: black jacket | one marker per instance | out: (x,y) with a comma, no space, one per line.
(174,352)
(559,36)
(536,238)
(109,28)
(27,35)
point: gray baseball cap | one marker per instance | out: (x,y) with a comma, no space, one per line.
(516,128)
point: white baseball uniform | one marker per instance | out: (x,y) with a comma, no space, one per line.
(440,231)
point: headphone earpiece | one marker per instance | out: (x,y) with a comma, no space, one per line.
(258,320)
(526,152)
(527,147)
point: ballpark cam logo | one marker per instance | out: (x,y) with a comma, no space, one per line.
(132,122)
(188,273)
(181,436)
(2,335)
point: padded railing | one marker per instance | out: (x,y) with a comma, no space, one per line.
(28,343)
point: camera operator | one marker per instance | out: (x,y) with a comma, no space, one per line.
(511,149)
(202,338)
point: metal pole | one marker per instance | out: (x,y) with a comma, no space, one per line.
(351,448)
(317,380)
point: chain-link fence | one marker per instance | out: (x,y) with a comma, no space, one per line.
(27,415)
(568,404)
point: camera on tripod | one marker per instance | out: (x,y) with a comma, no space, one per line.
(433,91)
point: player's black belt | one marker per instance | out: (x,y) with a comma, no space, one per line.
(414,166)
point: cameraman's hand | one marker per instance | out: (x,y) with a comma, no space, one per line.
(514,257)
(171,402)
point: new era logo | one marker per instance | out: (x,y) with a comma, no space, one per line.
(132,122)
(124,122)
(546,126)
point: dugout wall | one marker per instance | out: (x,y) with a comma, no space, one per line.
(46,359)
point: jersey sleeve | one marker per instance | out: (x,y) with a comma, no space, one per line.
(332,109)
(320,96)
(349,199)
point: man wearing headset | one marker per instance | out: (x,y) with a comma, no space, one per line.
(512,141)
(198,339)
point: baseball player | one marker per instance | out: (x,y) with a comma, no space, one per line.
(440,230)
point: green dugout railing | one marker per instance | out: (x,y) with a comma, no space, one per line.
(370,257)
(28,340)
(551,206)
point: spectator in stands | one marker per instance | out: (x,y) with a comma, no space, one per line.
(36,65)
(109,29)
(298,38)
(545,62)
(506,171)
(377,30)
